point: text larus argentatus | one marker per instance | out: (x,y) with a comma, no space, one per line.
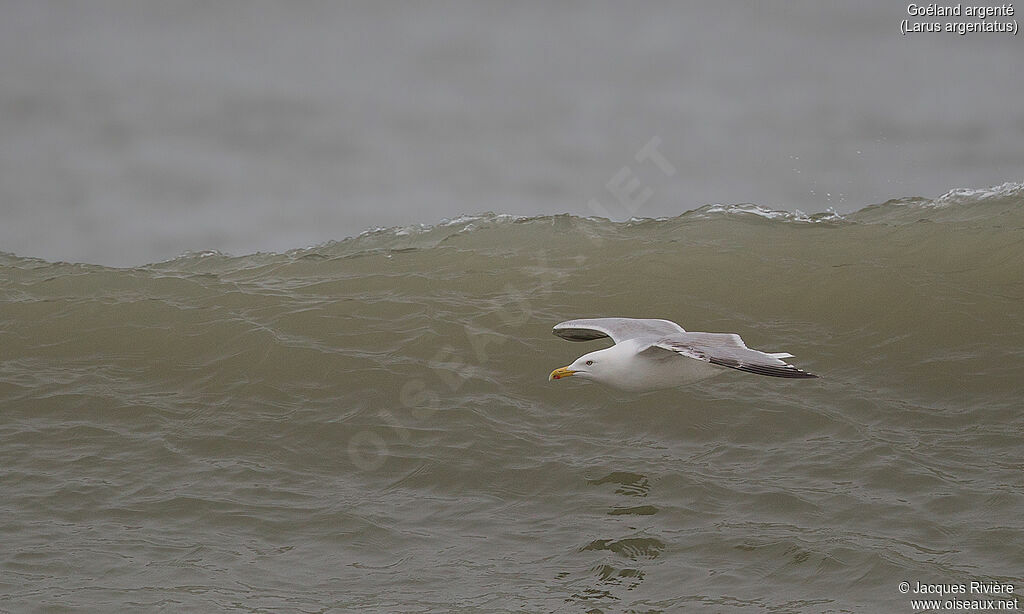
(653,354)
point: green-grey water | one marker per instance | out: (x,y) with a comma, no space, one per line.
(366,425)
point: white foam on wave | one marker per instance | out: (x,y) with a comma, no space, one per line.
(959,196)
(468,223)
(829,215)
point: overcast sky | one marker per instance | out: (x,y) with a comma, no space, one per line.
(134,131)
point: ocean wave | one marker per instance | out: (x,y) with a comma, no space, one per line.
(349,396)
(461,223)
(829,215)
(1005,198)
(993,205)
(962,196)
(998,205)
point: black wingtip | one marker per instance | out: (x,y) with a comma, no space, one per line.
(804,375)
(787,371)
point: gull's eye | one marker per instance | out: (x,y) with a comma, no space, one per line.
(590,362)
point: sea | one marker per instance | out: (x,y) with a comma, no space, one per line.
(366,425)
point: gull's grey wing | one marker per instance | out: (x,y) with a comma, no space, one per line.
(726,350)
(619,329)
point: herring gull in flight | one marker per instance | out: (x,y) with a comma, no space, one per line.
(653,354)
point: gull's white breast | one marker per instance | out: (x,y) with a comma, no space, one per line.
(636,372)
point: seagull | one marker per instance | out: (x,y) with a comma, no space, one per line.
(655,354)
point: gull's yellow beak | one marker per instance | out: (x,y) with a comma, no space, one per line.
(560,372)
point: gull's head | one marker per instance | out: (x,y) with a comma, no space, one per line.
(600,366)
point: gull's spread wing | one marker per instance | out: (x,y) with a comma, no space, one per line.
(619,329)
(725,350)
